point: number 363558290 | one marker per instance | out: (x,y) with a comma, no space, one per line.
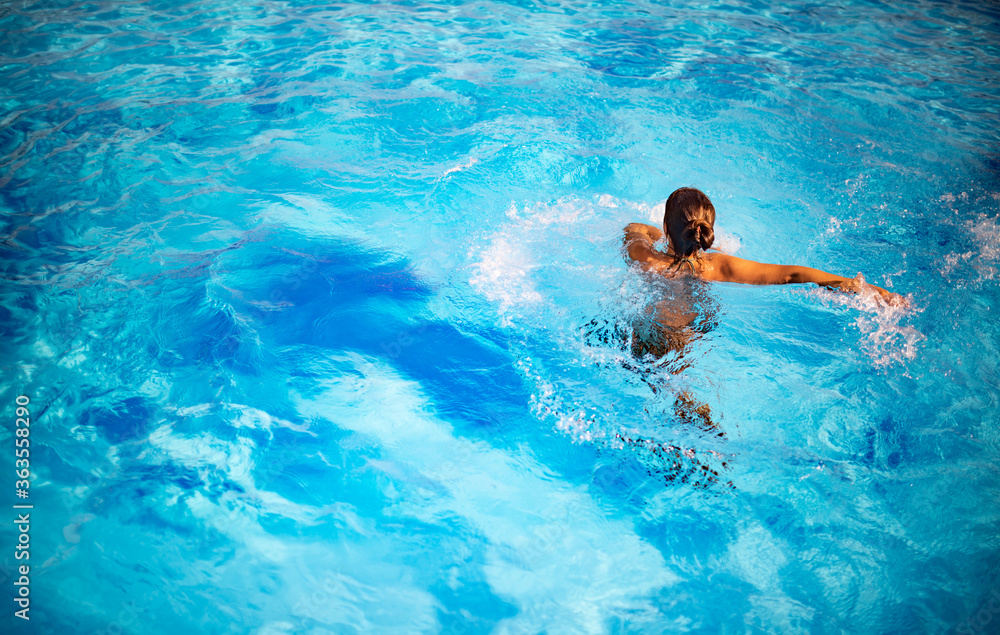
(22,431)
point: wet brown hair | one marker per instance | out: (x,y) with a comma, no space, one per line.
(688,219)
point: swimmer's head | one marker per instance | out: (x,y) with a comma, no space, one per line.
(688,220)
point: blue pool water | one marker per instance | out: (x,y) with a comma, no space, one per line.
(320,307)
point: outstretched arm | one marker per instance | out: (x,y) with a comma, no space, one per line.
(732,269)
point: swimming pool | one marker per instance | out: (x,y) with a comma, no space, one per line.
(315,308)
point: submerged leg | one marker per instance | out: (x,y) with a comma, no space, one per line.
(678,465)
(700,415)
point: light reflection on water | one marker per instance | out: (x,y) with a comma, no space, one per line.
(327,312)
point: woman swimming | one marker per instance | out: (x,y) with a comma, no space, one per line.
(688,220)
(662,337)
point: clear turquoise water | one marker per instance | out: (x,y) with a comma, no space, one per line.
(304,297)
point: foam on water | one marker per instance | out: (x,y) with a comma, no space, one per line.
(324,305)
(887,335)
(983,234)
(537,245)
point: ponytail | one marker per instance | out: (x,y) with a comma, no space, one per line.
(707,235)
(697,235)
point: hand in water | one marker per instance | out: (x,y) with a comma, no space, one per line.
(892,299)
(883,296)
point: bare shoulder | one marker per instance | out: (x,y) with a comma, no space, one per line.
(643,253)
(726,268)
(718,266)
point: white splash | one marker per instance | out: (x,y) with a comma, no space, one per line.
(503,274)
(887,339)
(983,256)
(545,242)
(986,233)
(546,403)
